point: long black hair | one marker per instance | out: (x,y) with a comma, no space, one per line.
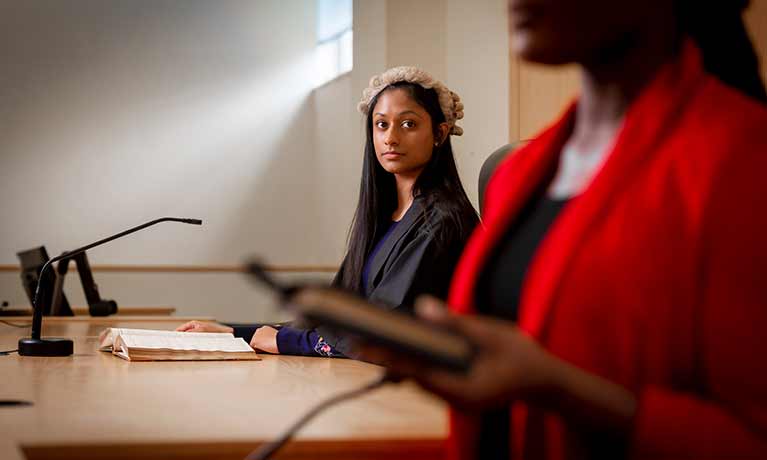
(438,185)
(717,27)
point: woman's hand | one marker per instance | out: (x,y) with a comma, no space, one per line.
(509,365)
(203,326)
(265,339)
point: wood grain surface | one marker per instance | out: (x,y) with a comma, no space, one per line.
(94,405)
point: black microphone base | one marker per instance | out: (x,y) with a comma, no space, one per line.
(45,347)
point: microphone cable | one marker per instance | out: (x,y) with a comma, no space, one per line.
(2,321)
(266,450)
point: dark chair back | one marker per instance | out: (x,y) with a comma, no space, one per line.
(488,168)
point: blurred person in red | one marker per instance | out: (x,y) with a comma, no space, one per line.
(617,292)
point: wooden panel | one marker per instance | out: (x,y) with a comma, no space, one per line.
(543,94)
(537,94)
(514,63)
(336,450)
(756,21)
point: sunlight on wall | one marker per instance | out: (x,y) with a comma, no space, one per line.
(124,114)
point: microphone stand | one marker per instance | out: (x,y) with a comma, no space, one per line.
(37,346)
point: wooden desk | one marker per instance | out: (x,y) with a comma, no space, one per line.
(88,326)
(93,405)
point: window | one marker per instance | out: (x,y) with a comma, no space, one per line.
(333,55)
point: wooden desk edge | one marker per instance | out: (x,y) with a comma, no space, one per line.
(365,449)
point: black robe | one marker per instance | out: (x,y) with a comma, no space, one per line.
(417,258)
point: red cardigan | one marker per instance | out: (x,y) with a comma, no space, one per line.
(655,277)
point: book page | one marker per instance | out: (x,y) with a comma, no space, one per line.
(186,341)
(107,337)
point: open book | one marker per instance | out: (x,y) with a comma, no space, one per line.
(153,345)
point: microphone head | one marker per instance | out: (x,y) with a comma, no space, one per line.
(192,221)
(257,270)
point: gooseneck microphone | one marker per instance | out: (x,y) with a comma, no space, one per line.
(37,346)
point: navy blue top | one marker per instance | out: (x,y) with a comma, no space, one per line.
(290,340)
(303,342)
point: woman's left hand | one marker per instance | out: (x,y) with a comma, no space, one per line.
(508,364)
(265,339)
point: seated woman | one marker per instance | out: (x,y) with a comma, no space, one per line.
(413,216)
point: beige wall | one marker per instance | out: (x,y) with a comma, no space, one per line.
(147,108)
(416,35)
(114,113)
(117,113)
(478,70)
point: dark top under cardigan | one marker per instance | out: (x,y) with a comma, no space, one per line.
(498,292)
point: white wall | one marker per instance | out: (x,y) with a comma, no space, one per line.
(115,113)
(131,110)
(416,35)
(478,70)
(126,111)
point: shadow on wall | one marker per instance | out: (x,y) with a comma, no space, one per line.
(277,216)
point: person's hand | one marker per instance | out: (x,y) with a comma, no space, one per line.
(508,363)
(265,339)
(203,326)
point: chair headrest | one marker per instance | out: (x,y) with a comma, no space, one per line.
(489,167)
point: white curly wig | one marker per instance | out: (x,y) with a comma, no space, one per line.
(451,104)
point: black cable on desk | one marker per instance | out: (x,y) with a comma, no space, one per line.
(8,352)
(265,451)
